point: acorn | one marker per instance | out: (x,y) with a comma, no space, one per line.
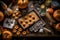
(56,15)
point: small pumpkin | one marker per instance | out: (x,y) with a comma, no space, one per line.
(57,27)
(22,3)
(1,16)
(50,10)
(56,15)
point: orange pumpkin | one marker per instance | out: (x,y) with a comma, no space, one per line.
(57,27)
(22,3)
(56,15)
(1,16)
(50,10)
